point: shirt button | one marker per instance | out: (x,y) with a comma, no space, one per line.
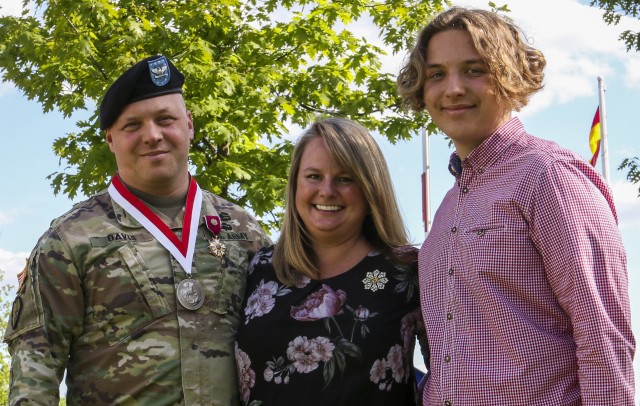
(449,316)
(450,271)
(454,229)
(481,233)
(465,189)
(447,358)
(447,403)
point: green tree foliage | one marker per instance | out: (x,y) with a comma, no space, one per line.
(254,69)
(633,167)
(6,293)
(614,10)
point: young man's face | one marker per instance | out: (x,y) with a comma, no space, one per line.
(458,93)
(150,140)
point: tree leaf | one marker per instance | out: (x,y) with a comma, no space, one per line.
(253,79)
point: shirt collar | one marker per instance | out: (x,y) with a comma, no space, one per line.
(485,154)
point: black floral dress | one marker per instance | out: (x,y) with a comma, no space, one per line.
(345,340)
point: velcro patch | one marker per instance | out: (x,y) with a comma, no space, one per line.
(235,237)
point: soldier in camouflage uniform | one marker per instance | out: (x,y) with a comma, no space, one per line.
(137,291)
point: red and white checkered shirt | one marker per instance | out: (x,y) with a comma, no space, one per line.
(524,284)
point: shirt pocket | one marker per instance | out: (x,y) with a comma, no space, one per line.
(494,248)
(229,294)
(125,298)
(484,233)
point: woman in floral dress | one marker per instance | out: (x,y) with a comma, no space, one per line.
(332,311)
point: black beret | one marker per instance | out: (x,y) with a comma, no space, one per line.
(151,77)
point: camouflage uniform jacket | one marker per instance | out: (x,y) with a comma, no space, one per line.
(99,301)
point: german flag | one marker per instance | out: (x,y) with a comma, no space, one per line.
(594,138)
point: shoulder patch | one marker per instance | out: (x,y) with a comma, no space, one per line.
(26,312)
(23,275)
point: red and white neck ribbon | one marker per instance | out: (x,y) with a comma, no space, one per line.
(181,248)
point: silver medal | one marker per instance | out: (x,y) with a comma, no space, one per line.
(190,294)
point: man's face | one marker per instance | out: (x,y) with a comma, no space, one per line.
(150,140)
(458,92)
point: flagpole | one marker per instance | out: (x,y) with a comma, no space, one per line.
(426,204)
(603,131)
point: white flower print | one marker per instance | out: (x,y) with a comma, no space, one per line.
(262,300)
(246,375)
(305,363)
(261,258)
(378,371)
(299,345)
(305,355)
(387,370)
(268,374)
(258,305)
(267,289)
(324,348)
(375,280)
(395,360)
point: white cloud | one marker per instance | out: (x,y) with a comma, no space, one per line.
(578,45)
(624,150)
(6,87)
(625,195)
(4,218)
(8,216)
(13,8)
(11,263)
(633,70)
(10,7)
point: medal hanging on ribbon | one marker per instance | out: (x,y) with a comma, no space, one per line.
(189,292)
(216,247)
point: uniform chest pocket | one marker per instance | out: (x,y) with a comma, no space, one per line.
(229,294)
(124,295)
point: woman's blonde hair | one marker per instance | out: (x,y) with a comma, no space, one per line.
(516,68)
(355,150)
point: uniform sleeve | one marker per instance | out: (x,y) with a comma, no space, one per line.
(46,317)
(574,227)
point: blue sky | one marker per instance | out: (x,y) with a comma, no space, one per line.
(578,46)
